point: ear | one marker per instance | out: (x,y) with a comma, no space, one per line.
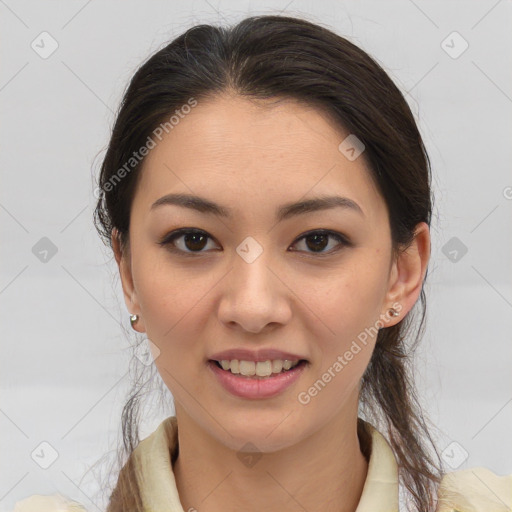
(407,274)
(123,260)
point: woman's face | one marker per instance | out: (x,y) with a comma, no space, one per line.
(253,281)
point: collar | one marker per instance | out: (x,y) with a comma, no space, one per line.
(153,458)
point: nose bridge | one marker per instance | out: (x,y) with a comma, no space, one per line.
(254,295)
(251,272)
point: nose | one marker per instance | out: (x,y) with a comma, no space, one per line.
(255,296)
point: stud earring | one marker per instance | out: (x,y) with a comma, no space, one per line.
(133,319)
(393,312)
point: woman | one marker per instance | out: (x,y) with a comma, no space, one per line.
(266,194)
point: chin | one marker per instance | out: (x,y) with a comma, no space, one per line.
(268,432)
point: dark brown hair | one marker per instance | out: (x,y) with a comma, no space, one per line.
(272,57)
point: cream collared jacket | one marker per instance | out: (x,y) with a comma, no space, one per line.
(470,490)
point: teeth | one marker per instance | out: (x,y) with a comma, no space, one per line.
(235,366)
(247,368)
(259,368)
(277,366)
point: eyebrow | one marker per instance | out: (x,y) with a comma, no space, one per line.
(284,212)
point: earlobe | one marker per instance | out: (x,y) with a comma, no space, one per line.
(408,272)
(137,323)
(124,266)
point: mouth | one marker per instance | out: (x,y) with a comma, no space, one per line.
(257,370)
(257,380)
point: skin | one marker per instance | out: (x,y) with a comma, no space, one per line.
(254,157)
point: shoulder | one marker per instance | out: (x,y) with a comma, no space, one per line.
(475,490)
(48,503)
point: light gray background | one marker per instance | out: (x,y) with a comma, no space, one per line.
(65,356)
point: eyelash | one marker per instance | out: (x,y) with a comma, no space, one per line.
(171,237)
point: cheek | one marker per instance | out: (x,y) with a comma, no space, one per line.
(347,306)
(348,302)
(170,301)
(172,308)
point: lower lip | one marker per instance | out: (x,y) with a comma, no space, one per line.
(256,388)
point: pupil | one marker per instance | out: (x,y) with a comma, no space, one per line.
(191,241)
(315,246)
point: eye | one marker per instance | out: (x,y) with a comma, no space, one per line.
(186,240)
(319,239)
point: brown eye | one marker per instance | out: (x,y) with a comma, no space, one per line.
(186,241)
(317,241)
(194,241)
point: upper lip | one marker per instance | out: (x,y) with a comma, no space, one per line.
(243,354)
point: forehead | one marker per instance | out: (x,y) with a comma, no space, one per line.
(253,153)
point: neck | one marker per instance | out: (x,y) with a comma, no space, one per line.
(324,472)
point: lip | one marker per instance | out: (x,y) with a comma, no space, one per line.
(256,388)
(243,354)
